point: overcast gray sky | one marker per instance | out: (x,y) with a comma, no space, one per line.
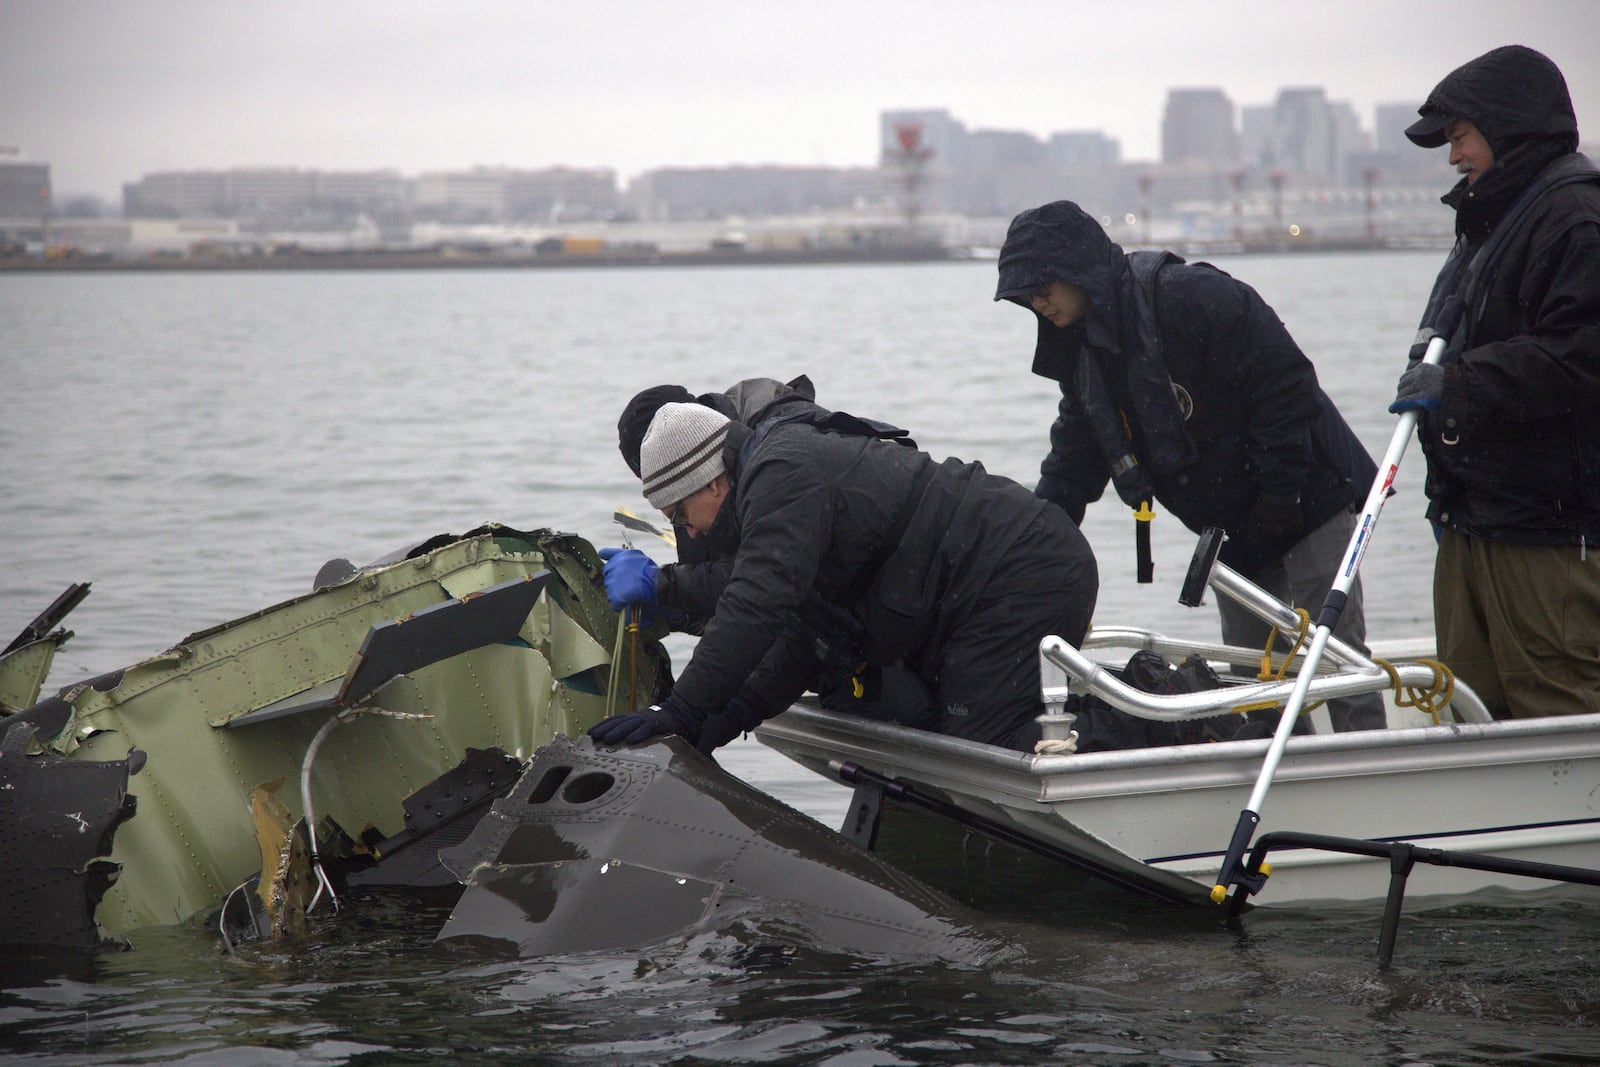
(108,90)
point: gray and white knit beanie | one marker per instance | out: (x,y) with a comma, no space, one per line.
(681,453)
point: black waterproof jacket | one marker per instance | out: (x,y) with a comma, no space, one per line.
(1514,449)
(904,543)
(1193,375)
(704,563)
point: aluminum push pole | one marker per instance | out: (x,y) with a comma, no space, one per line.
(1233,872)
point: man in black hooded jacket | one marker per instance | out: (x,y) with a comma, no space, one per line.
(687,589)
(1510,419)
(1180,385)
(953,572)
(686,592)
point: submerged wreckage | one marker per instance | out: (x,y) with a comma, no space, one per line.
(150,794)
(376,733)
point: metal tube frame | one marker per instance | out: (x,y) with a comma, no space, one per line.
(1064,669)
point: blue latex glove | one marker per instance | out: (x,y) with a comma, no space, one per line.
(1421,387)
(630,578)
(630,728)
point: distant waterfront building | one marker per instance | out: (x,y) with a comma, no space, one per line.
(24,188)
(484,194)
(931,162)
(1084,148)
(473,195)
(1302,132)
(1349,141)
(936,131)
(369,191)
(919,152)
(176,194)
(1390,127)
(1255,135)
(720,192)
(268,192)
(1306,136)
(557,193)
(1198,128)
(1006,148)
(276,194)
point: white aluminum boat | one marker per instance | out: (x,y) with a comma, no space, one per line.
(1161,819)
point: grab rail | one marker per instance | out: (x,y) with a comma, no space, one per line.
(1353,673)
(1059,662)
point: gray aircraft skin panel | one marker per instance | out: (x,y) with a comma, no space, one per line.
(599,848)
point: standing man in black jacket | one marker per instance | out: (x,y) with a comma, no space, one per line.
(1180,385)
(1510,418)
(953,572)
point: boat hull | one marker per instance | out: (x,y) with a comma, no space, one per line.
(1526,790)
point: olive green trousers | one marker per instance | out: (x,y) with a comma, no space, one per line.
(1520,624)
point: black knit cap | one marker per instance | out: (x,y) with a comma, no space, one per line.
(636,418)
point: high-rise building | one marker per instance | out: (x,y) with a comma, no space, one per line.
(1390,127)
(1302,128)
(1198,127)
(24,189)
(1084,148)
(932,131)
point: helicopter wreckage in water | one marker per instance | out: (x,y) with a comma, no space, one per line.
(150,794)
(370,734)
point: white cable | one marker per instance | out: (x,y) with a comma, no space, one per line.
(305,789)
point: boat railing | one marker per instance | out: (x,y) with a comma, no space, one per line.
(1343,671)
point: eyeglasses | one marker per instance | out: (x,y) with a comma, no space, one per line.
(674,512)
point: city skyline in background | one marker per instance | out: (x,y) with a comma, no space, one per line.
(109,92)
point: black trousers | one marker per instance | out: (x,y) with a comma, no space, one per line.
(986,686)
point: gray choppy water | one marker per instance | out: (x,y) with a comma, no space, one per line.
(197,445)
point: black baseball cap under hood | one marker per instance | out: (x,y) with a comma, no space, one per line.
(1511,94)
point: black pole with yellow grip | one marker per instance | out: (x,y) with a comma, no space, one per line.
(1141,540)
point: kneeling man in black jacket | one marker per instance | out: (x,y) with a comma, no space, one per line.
(952,572)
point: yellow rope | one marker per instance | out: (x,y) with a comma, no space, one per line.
(1269,673)
(1427,700)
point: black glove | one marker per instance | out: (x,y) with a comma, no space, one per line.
(1274,519)
(630,728)
(737,718)
(1421,387)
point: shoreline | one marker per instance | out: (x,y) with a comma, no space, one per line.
(450,259)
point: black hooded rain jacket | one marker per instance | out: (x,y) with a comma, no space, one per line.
(1188,372)
(1514,449)
(905,544)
